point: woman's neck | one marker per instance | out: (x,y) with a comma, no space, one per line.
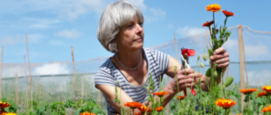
(130,59)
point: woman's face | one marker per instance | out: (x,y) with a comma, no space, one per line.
(131,35)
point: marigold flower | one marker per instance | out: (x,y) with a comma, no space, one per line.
(87,113)
(262,94)
(188,52)
(149,109)
(142,108)
(225,103)
(9,114)
(239,114)
(267,88)
(248,91)
(160,94)
(227,13)
(207,24)
(159,109)
(213,7)
(4,104)
(133,105)
(266,109)
(180,97)
(138,113)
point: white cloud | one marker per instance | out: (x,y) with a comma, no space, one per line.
(139,3)
(12,71)
(194,34)
(155,14)
(51,69)
(67,9)
(55,42)
(10,40)
(34,38)
(257,50)
(72,34)
(259,77)
(42,23)
(231,44)
(190,31)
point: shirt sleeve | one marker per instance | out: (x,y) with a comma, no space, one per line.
(105,78)
(162,59)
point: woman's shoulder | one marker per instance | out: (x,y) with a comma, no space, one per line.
(106,67)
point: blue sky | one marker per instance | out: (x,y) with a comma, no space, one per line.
(53,26)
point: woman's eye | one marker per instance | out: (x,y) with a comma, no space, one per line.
(141,24)
(130,25)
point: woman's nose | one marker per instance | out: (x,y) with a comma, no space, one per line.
(139,28)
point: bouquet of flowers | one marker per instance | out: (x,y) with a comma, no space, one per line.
(216,40)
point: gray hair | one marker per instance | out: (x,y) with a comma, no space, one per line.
(114,16)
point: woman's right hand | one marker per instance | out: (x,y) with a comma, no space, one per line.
(185,79)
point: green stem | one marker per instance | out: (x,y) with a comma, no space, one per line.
(214,20)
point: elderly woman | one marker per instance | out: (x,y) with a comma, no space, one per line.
(121,32)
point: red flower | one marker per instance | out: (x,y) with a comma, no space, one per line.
(149,109)
(227,13)
(248,91)
(180,97)
(188,52)
(160,94)
(262,94)
(207,23)
(142,108)
(159,109)
(193,91)
(267,88)
(133,105)
(138,113)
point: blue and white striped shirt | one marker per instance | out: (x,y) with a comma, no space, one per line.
(109,74)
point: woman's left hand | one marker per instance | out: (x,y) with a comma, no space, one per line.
(221,58)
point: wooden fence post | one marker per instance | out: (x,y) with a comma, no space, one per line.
(1,72)
(241,59)
(74,75)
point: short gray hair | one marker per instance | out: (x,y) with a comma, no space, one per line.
(114,16)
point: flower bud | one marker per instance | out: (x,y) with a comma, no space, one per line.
(215,74)
(201,65)
(204,57)
(198,57)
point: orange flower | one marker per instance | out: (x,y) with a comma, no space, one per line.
(87,113)
(248,91)
(239,114)
(213,7)
(225,103)
(138,113)
(160,94)
(266,109)
(207,24)
(149,110)
(159,109)
(9,114)
(227,13)
(4,104)
(142,108)
(133,105)
(267,88)
(180,97)
(262,94)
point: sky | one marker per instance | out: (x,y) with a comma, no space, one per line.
(53,26)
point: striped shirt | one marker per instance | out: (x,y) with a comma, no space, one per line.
(109,74)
